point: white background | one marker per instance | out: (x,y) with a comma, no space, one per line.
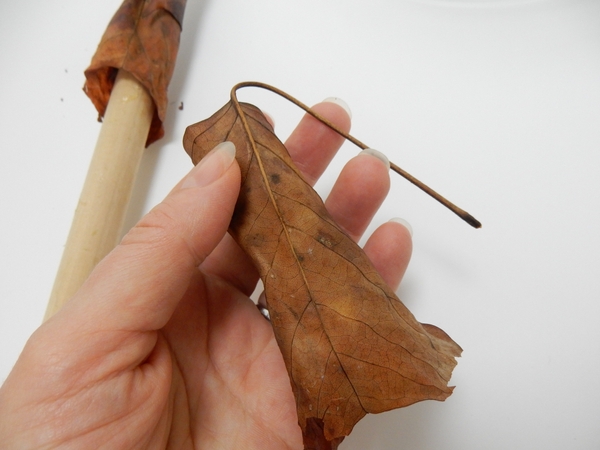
(494,104)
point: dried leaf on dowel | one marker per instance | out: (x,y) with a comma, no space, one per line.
(142,38)
(350,346)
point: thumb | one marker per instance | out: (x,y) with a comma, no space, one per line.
(139,284)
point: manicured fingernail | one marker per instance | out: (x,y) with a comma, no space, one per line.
(404,223)
(377,154)
(340,102)
(211,167)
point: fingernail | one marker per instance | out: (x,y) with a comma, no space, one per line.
(377,154)
(404,223)
(338,101)
(269,118)
(211,167)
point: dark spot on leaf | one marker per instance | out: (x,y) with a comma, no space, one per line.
(292,312)
(255,240)
(275,178)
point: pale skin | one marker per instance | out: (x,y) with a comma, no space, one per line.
(154,353)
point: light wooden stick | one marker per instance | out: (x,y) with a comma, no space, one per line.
(103,202)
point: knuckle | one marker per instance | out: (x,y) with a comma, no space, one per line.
(161,227)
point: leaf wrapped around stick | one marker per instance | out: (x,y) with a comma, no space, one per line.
(142,38)
(350,346)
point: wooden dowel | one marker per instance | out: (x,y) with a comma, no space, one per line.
(107,189)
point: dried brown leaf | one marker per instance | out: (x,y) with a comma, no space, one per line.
(142,38)
(350,346)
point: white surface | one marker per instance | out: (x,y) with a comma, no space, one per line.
(495,104)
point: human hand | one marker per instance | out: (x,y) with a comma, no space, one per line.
(154,353)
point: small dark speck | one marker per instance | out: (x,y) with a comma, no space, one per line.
(66,71)
(62,99)
(255,240)
(275,178)
(180,106)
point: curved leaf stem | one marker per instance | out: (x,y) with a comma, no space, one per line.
(448,204)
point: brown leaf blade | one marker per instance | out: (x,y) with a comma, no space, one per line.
(143,39)
(350,346)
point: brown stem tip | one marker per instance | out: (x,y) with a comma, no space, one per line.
(448,204)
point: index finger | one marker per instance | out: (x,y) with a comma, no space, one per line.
(312,145)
